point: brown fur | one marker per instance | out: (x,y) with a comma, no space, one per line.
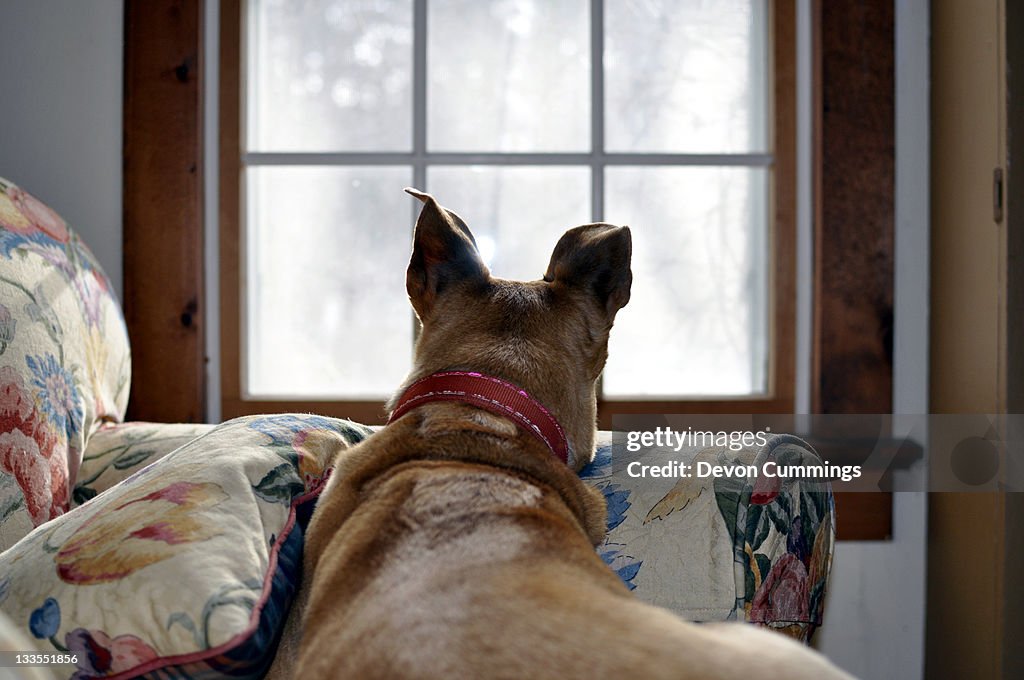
(452,544)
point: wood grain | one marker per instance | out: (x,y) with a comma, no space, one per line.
(855,214)
(163,235)
(230,212)
(854,235)
(863,516)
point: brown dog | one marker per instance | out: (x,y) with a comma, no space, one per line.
(453,544)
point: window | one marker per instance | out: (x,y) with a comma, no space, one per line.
(527,117)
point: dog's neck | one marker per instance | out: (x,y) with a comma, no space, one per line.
(492,394)
(451,431)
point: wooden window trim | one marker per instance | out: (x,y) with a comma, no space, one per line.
(855,213)
(162,209)
(780,396)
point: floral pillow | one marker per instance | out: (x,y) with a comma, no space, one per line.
(117,450)
(723,548)
(64,360)
(186,568)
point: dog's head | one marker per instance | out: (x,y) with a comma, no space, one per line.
(550,336)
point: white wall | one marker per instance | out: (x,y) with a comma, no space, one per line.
(875,614)
(60,117)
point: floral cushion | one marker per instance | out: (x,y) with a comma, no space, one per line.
(64,360)
(726,548)
(117,450)
(186,568)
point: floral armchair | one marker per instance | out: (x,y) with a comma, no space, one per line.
(156,550)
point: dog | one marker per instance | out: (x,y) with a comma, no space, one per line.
(458,540)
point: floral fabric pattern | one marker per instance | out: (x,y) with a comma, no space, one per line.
(723,548)
(64,360)
(117,450)
(187,567)
(27,452)
(146,528)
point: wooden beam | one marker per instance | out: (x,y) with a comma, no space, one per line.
(163,236)
(1013,534)
(855,215)
(856,203)
(863,516)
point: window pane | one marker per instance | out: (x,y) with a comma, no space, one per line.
(696,323)
(330,75)
(512,75)
(515,214)
(327,309)
(686,76)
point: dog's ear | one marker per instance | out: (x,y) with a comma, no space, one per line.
(443,253)
(595,257)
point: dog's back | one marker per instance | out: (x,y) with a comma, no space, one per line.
(453,544)
(453,568)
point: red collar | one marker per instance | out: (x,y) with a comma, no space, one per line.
(491,394)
